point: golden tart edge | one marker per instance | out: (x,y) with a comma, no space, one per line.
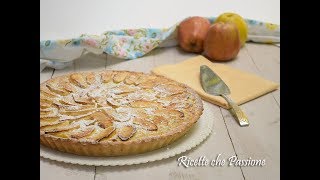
(117,148)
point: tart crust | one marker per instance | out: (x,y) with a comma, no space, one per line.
(89,147)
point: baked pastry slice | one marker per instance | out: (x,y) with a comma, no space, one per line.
(112,113)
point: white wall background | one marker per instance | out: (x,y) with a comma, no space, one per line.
(70,18)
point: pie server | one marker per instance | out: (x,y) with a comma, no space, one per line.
(213,84)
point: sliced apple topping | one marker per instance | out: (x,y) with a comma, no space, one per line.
(113,102)
(149,84)
(122,117)
(76,117)
(102,133)
(44,105)
(119,77)
(141,79)
(151,81)
(105,123)
(111,106)
(160,120)
(78,80)
(46,111)
(96,92)
(68,87)
(184,105)
(169,112)
(68,100)
(45,91)
(65,125)
(103,120)
(49,121)
(131,79)
(111,137)
(167,90)
(117,102)
(61,134)
(63,105)
(101,101)
(125,89)
(106,76)
(120,92)
(78,107)
(75,112)
(142,112)
(91,78)
(82,99)
(47,116)
(82,132)
(57,90)
(126,132)
(45,99)
(143,104)
(145,124)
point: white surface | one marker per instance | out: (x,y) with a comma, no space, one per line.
(201,130)
(67,19)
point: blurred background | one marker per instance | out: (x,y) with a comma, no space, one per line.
(67,19)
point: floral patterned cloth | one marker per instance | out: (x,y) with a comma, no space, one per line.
(133,43)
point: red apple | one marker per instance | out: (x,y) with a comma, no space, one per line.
(192,32)
(222,42)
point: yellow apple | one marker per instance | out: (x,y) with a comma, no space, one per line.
(238,21)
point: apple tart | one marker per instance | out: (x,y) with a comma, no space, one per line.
(112,113)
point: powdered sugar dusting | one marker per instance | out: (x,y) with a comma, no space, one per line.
(149,111)
(66,117)
(124,114)
(83,123)
(115,99)
(142,95)
(164,102)
(72,108)
(160,89)
(119,125)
